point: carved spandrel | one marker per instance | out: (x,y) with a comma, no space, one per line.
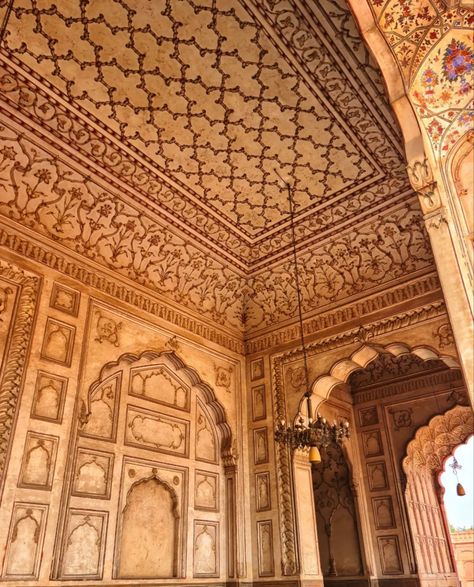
(58,342)
(39,457)
(48,401)
(25,540)
(155,431)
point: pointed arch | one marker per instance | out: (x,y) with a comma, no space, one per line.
(188,375)
(366,354)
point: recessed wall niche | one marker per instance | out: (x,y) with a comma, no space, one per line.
(58,342)
(39,457)
(48,400)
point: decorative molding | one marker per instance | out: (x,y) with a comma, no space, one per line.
(15,359)
(437,440)
(357,311)
(92,277)
(449,376)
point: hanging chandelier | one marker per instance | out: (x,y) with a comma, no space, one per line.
(309,433)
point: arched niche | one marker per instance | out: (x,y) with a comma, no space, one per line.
(423,463)
(161,438)
(460,175)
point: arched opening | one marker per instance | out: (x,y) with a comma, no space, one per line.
(426,456)
(457,489)
(387,392)
(153,444)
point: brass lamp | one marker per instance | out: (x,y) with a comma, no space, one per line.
(313,434)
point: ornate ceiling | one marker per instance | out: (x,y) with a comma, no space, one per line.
(149,136)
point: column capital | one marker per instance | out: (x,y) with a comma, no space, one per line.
(423,182)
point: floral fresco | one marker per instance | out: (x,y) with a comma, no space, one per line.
(433,45)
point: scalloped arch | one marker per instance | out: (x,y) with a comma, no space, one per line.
(363,356)
(437,440)
(188,375)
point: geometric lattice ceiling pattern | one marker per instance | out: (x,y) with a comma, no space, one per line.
(203,91)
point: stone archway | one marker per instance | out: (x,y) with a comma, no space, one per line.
(342,369)
(426,454)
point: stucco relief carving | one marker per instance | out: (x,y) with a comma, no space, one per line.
(65,299)
(260,446)
(5,293)
(206,491)
(25,541)
(444,336)
(15,357)
(434,442)
(263,492)
(206,549)
(99,416)
(39,458)
(390,556)
(92,473)
(206,444)
(372,443)
(377,476)
(107,329)
(223,377)
(266,560)
(84,544)
(157,383)
(383,512)
(157,432)
(50,393)
(368,416)
(259,402)
(58,342)
(401,418)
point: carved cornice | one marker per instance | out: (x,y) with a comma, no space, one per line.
(449,376)
(357,311)
(118,290)
(15,360)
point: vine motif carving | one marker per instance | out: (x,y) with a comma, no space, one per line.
(15,361)
(289,559)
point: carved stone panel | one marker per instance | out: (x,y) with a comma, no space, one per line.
(25,541)
(206,440)
(206,491)
(257,369)
(38,463)
(92,473)
(266,562)
(259,408)
(102,412)
(368,416)
(58,342)
(383,512)
(260,446)
(48,401)
(159,384)
(263,492)
(372,443)
(83,544)
(377,476)
(390,557)
(65,299)
(206,549)
(154,431)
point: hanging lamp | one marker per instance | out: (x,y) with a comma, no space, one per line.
(312,434)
